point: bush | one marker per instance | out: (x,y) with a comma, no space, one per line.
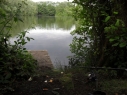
(15,62)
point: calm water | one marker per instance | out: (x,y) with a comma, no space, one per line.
(51,34)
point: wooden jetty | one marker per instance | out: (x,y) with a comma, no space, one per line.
(42,58)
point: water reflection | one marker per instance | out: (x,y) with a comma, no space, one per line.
(53,36)
(56,42)
(28,23)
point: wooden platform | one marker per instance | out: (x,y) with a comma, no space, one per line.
(42,57)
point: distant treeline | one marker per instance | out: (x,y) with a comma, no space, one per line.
(54,9)
(28,7)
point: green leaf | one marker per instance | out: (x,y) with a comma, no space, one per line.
(111,40)
(28,38)
(15,42)
(24,48)
(117,22)
(23,33)
(107,29)
(24,43)
(19,42)
(122,45)
(107,18)
(113,27)
(21,37)
(115,13)
(32,38)
(15,19)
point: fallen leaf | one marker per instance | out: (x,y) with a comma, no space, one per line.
(45,89)
(50,80)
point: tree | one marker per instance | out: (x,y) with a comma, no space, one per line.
(46,9)
(64,9)
(27,7)
(102,35)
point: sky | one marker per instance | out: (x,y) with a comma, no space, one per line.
(51,0)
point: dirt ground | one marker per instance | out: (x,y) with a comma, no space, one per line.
(38,85)
(48,83)
(51,82)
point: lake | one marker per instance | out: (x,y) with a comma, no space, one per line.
(50,33)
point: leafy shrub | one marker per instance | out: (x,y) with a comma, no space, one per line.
(15,62)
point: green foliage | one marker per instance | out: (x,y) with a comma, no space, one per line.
(27,7)
(100,38)
(64,9)
(46,9)
(15,62)
(55,9)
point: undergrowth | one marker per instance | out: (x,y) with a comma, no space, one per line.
(16,64)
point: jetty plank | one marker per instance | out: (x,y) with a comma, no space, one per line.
(42,58)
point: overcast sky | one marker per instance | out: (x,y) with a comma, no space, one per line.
(51,0)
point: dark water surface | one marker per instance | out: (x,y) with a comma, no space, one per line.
(51,34)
